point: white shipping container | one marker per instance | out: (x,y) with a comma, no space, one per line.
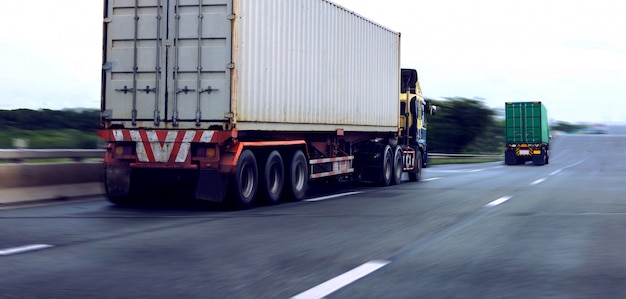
(288,65)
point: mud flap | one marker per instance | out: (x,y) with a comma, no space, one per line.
(510,158)
(211,185)
(117,181)
(539,159)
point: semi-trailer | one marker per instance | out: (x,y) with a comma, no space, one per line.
(245,101)
(527,133)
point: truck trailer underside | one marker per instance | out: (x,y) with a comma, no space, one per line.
(213,166)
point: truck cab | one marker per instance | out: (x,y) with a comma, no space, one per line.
(413,110)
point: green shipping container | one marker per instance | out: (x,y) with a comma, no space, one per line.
(526,122)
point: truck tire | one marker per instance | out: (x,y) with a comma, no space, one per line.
(273,179)
(297,177)
(387,166)
(398,165)
(416,174)
(245,181)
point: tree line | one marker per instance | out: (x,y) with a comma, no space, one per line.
(461,125)
(49,129)
(26,119)
(464,125)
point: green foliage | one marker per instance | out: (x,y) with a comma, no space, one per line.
(567,127)
(49,129)
(490,141)
(463,125)
(45,119)
(50,139)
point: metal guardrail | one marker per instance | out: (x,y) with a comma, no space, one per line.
(22,155)
(25,174)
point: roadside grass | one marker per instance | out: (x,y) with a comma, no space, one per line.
(49,139)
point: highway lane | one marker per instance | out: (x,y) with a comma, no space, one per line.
(480,230)
(560,236)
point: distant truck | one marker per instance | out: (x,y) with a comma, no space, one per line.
(245,101)
(527,133)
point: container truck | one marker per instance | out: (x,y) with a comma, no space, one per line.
(245,101)
(527,133)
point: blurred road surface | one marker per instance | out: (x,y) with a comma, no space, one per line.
(465,231)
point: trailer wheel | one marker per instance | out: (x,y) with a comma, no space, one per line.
(398,165)
(416,174)
(245,181)
(297,177)
(387,167)
(274,178)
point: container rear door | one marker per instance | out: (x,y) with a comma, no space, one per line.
(133,90)
(523,122)
(199,61)
(166,63)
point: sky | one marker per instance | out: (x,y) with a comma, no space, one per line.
(571,55)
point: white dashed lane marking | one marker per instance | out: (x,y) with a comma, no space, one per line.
(536,182)
(22,249)
(498,201)
(332,285)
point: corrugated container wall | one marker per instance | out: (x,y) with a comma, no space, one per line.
(289,65)
(311,62)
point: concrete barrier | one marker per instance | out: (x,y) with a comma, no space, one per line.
(31,183)
(22,175)
(23,182)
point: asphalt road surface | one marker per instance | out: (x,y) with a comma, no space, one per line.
(466,231)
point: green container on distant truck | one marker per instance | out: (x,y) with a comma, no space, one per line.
(527,133)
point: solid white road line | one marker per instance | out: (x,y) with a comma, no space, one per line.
(341,281)
(498,201)
(430,179)
(448,171)
(21,249)
(566,167)
(332,196)
(556,171)
(539,181)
